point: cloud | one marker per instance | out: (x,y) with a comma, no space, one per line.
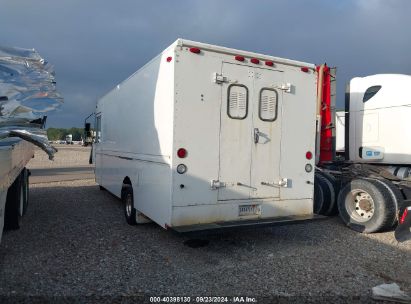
(94,45)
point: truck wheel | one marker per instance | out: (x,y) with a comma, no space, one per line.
(396,195)
(366,206)
(334,188)
(321,194)
(25,181)
(14,205)
(128,204)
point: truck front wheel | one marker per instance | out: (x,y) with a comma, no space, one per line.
(366,206)
(128,204)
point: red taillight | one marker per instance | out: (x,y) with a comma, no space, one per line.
(195,50)
(239,58)
(255,60)
(305,69)
(269,63)
(169,59)
(308,155)
(404,215)
(181,152)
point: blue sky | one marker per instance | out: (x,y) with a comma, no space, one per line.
(96,44)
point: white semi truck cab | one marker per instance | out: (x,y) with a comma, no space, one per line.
(371,183)
(379,111)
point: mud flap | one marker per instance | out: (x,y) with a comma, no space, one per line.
(403,230)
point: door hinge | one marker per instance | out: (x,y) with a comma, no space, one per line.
(219,78)
(286,87)
(215,184)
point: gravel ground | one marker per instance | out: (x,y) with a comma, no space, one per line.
(75,242)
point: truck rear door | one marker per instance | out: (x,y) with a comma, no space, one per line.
(265,152)
(250,132)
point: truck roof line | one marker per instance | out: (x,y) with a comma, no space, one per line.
(225,50)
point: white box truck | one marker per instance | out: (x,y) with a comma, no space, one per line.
(205,137)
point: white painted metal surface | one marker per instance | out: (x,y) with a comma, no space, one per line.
(380,129)
(15,153)
(340,131)
(246,128)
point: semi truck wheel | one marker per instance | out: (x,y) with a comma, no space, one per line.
(321,194)
(396,195)
(334,188)
(14,208)
(128,204)
(366,206)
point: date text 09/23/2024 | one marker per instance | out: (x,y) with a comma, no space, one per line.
(205,299)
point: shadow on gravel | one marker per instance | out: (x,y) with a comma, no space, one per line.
(75,241)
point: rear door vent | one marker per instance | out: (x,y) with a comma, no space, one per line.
(237,101)
(268,104)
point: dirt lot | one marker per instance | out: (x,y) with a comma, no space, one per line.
(70,163)
(75,243)
(66,157)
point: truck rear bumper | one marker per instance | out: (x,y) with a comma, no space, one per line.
(256,210)
(255,223)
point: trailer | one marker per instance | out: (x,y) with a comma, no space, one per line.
(27,92)
(365,173)
(207,137)
(15,153)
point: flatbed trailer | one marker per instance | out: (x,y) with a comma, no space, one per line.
(15,153)
(27,93)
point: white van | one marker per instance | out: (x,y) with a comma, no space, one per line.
(204,137)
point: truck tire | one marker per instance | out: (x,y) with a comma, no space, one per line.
(26,190)
(14,208)
(396,195)
(334,188)
(128,204)
(321,194)
(366,206)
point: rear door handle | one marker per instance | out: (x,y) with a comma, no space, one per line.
(256,135)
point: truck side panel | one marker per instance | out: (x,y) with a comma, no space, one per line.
(298,134)
(136,137)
